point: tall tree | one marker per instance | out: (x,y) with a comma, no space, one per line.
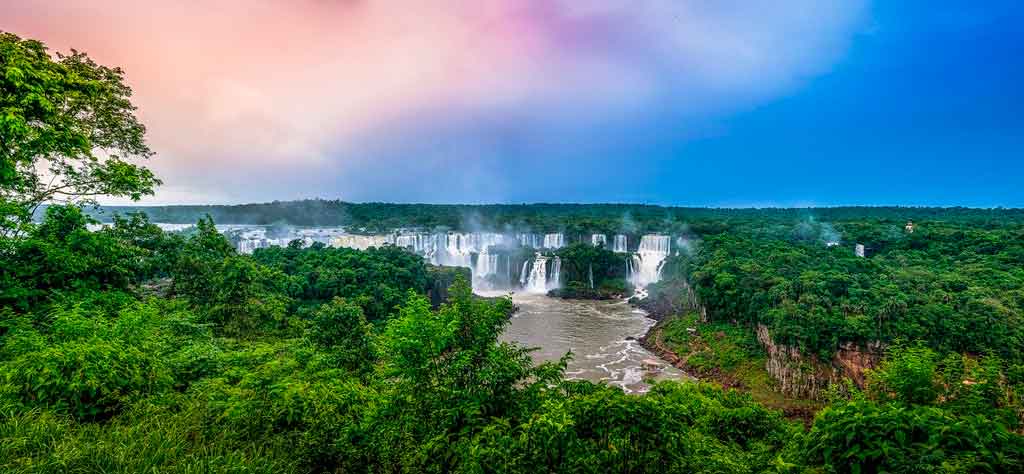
(68,132)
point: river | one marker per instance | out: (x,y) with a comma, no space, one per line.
(601,335)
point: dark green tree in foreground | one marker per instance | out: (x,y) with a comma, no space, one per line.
(67,132)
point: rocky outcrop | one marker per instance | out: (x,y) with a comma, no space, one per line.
(805,376)
(440,279)
(671,298)
(799,375)
(854,360)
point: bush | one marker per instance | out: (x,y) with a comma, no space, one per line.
(865,437)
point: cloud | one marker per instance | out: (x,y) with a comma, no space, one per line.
(253,99)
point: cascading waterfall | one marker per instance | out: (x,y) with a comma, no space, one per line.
(473,250)
(532,241)
(544,274)
(456,249)
(537,281)
(554,280)
(649,259)
(362,242)
(620,244)
(486,266)
(554,241)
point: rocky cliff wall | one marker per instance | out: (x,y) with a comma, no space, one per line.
(806,376)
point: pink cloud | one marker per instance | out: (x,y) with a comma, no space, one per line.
(230,84)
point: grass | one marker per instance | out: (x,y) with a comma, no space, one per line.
(730,355)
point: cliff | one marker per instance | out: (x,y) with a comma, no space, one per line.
(799,375)
(804,376)
(671,297)
(441,278)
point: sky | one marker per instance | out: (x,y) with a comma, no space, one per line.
(732,103)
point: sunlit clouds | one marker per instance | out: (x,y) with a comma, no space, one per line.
(362,99)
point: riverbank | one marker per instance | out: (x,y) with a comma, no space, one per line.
(726,354)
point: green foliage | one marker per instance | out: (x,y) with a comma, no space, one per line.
(907,375)
(585,266)
(89,363)
(377,280)
(61,255)
(864,437)
(246,298)
(960,384)
(57,112)
(913,287)
(341,328)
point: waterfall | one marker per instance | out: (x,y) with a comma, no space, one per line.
(486,265)
(537,280)
(620,244)
(455,249)
(554,241)
(649,259)
(473,250)
(590,275)
(541,276)
(362,242)
(529,240)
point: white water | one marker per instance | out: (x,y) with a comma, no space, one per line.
(620,244)
(543,274)
(554,241)
(649,259)
(362,242)
(554,280)
(532,241)
(486,266)
(537,281)
(542,277)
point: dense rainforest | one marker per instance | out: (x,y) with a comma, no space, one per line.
(571,219)
(130,349)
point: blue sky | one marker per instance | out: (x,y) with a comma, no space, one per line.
(925,108)
(725,103)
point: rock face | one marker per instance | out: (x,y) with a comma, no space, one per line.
(676,298)
(804,376)
(799,375)
(440,279)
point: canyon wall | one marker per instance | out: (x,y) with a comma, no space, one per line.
(806,376)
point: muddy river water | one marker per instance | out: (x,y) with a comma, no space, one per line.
(602,336)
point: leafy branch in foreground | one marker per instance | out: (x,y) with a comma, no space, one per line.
(67,132)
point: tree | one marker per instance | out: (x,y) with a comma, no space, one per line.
(341,328)
(67,132)
(907,375)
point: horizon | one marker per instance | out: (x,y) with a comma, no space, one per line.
(596,203)
(803,104)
